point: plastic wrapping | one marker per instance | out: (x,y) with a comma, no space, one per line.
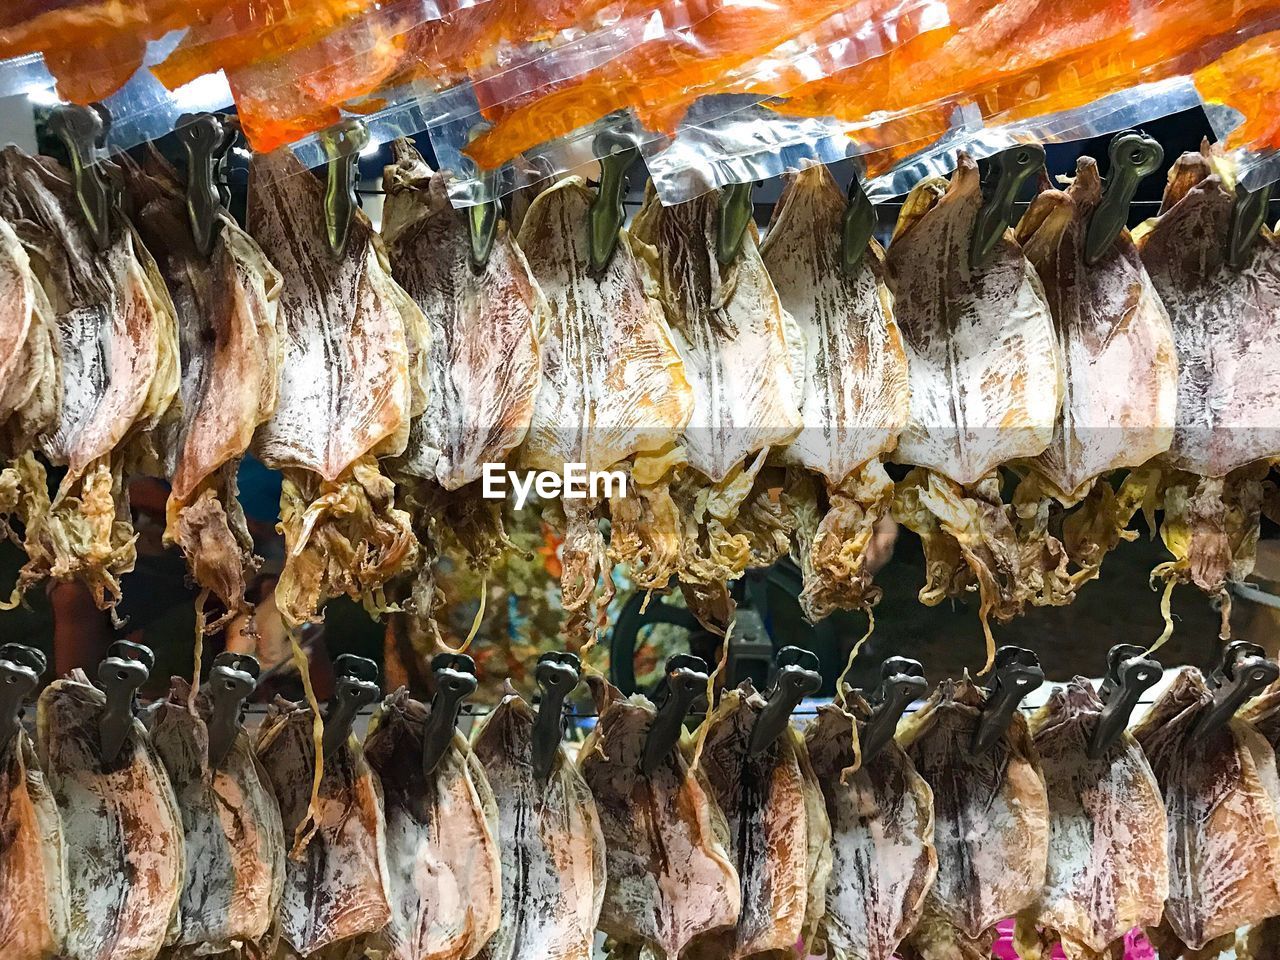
(1241,95)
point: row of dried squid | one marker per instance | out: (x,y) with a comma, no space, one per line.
(188,837)
(751,391)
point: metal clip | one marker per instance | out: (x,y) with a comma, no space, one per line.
(901,683)
(797,678)
(482,219)
(82,131)
(342,144)
(735,214)
(557,675)
(1130,672)
(125,669)
(232,679)
(616,152)
(1248,213)
(1243,672)
(455,676)
(357,688)
(1002,179)
(1134,157)
(686,680)
(20,670)
(202,136)
(1016,673)
(858,227)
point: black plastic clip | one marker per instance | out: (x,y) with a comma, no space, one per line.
(858,226)
(20,670)
(83,131)
(204,139)
(455,677)
(125,668)
(1248,214)
(557,675)
(797,678)
(686,681)
(1002,179)
(342,144)
(1134,157)
(736,212)
(357,687)
(1015,674)
(617,152)
(1130,673)
(902,682)
(1243,672)
(232,679)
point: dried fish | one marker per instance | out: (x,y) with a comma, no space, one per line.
(855,395)
(33,869)
(346,395)
(121,827)
(991,823)
(1224,836)
(235,844)
(553,854)
(336,886)
(443,860)
(669,878)
(1108,867)
(613,389)
(881,817)
(986,387)
(1262,940)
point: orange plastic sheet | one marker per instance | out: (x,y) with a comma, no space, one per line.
(1247,79)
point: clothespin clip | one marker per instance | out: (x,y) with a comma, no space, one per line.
(902,682)
(205,141)
(20,670)
(686,678)
(735,214)
(482,219)
(1243,672)
(83,131)
(232,679)
(1015,674)
(797,678)
(125,668)
(617,152)
(357,688)
(1002,179)
(1134,157)
(455,676)
(1130,673)
(1248,213)
(557,675)
(859,224)
(342,144)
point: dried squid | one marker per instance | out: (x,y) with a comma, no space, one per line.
(1229,376)
(553,856)
(121,826)
(991,823)
(1121,376)
(231,357)
(614,394)
(346,395)
(986,387)
(1108,868)
(855,396)
(779,834)
(669,877)
(1224,836)
(743,355)
(235,843)
(482,373)
(336,888)
(883,859)
(443,861)
(118,375)
(1262,941)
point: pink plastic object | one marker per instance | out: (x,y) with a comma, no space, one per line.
(1136,945)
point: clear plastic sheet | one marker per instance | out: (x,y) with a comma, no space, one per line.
(1241,95)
